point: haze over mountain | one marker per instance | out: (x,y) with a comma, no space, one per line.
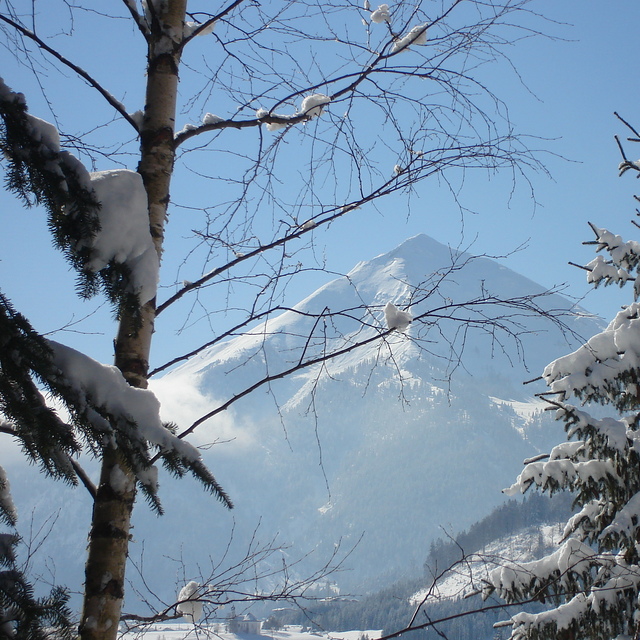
(376,450)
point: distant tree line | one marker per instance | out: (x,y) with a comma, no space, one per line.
(504,520)
(390,609)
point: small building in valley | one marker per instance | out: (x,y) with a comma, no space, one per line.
(243,624)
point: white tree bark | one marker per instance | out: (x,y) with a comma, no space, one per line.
(109,536)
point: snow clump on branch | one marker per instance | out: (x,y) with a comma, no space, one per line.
(211,118)
(191,27)
(395,318)
(188,606)
(8,511)
(312,106)
(124,235)
(274,126)
(45,132)
(417,35)
(381,14)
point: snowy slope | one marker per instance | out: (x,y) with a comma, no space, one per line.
(467,577)
(182,631)
(402,276)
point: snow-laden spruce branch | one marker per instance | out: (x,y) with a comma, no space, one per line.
(86,211)
(9,429)
(593,580)
(104,410)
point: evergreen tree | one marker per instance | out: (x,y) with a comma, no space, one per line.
(593,580)
(22,615)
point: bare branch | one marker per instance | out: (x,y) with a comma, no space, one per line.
(84,477)
(418,167)
(116,104)
(141,23)
(237,582)
(210,21)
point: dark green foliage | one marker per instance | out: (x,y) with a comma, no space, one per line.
(22,615)
(39,173)
(179,467)
(511,516)
(272,622)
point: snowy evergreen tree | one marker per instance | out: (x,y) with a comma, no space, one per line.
(22,615)
(593,580)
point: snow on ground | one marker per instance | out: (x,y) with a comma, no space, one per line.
(183,631)
(466,577)
(525,410)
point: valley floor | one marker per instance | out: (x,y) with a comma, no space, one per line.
(183,631)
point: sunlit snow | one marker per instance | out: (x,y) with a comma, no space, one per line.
(396,318)
(417,35)
(381,14)
(468,575)
(124,234)
(313,105)
(191,609)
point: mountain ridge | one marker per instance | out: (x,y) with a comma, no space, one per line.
(401,276)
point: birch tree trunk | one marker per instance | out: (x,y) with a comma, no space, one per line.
(111,522)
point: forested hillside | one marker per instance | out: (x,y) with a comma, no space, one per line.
(391,609)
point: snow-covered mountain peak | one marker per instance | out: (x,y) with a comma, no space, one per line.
(410,263)
(412,432)
(421,276)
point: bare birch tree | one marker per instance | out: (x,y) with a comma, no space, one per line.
(320,109)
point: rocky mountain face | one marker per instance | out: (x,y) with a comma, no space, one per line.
(368,456)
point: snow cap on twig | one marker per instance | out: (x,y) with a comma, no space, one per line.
(381,14)
(395,318)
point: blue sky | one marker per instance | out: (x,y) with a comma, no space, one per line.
(564,95)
